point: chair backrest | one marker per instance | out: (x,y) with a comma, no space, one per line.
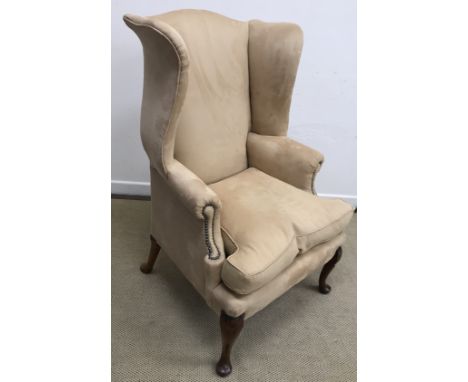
(209,81)
(214,119)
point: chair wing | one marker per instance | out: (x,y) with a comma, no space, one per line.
(165,84)
(274,53)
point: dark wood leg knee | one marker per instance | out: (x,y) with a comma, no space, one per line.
(153,255)
(327,268)
(230,329)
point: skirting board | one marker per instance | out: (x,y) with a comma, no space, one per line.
(123,187)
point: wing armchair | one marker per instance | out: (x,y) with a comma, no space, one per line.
(233,202)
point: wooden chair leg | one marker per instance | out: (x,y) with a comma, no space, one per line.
(153,255)
(324,288)
(230,329)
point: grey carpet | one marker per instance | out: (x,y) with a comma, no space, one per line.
(163,331)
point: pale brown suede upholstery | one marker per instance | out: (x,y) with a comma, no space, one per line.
(233,203)
(266,223)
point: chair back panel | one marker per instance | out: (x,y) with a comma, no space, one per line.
(215,117)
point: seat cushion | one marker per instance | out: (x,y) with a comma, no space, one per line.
(266,223)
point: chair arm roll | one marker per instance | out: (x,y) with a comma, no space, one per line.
(285,159)
(192,191)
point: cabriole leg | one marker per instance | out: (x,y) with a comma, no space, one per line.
(230,329)
(327,268)
(153,255)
